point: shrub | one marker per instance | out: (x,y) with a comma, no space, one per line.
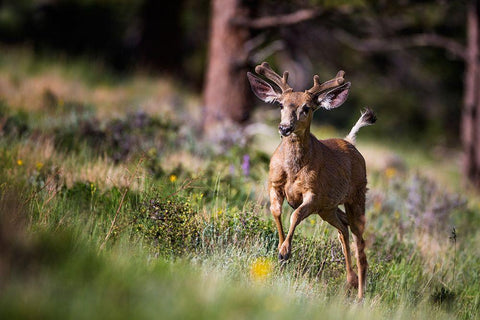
(13,124)
(443,296)
(173,228)
(169,224)
(119,138)
(430,207)
(238,229)
(417,203)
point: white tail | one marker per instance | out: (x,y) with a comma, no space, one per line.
(367,118)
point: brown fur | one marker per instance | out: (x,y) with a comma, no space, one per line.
(315,177)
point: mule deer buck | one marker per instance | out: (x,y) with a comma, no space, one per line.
(316,176)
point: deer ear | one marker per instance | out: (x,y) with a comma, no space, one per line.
(262,89)
(334,98)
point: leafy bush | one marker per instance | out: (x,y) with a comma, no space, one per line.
(237,229)
(417,203)
(170,225)
(443,296)
(174,228)
(13,124)
(119,138)
(137,132)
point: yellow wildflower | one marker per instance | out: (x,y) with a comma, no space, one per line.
(390,172)
(39,165)
(396,214)
(261,269)
(173,178)
(312,221)
(152,152)
(19,162)
(93,188)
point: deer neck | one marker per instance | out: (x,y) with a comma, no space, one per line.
(297,149)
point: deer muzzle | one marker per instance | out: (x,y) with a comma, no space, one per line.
(285,129)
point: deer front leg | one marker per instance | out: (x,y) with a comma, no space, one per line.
(303,211)
(276,202)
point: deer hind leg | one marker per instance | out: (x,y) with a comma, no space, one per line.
(356,220)
(338,219)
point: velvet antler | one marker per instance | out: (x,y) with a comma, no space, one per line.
(335,82)
(265,70)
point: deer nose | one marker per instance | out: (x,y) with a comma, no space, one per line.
(285,129)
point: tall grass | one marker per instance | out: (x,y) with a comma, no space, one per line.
(164,227)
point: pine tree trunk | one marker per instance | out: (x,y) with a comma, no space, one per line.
(471,105)
(227,100)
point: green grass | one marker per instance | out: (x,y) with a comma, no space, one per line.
(165,227)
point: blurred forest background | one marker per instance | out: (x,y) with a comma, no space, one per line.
(412,61)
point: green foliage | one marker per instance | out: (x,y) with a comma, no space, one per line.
(14,124)
(173,228)
(170,225)
(238,228)
(119,138)
(443,296)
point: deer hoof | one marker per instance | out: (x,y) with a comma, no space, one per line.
(284,252)
(352,281)
(283,257)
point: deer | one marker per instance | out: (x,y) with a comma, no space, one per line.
(316,176)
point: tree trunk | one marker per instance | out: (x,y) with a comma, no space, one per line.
(471,104)
(227,99)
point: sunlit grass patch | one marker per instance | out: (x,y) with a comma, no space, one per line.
(48,83)
(104,173)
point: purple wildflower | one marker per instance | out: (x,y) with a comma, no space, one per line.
(246,165)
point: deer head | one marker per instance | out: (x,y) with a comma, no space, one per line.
(297,107)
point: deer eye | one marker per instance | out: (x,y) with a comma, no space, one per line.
(305,110)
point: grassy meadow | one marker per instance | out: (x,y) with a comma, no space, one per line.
(111,207)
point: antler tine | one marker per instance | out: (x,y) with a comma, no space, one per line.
(332,83)
(265,70)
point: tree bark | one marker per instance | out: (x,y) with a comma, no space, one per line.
(226,96)
(470,126)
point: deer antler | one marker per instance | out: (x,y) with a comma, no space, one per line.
(265,70)
(335,82)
